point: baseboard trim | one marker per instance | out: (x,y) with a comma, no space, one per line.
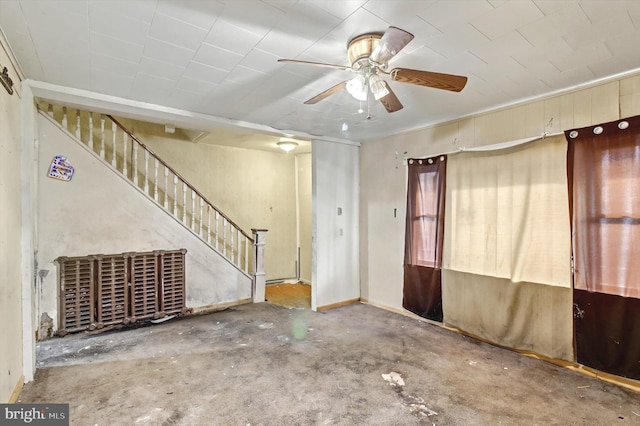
(624,382)
(401,312)
(338,305)
(219,307)
(16,391)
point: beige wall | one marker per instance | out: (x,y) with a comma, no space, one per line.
(256,189)
(11,354)
(383,174)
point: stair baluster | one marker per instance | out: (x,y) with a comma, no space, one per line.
(184,203)
(217,233)
(224,236)
(201,207)
(166,188)
(208,224)
(78,124)
(114,146)
(102,137)
(90,131)
(155,179)
(146,171)
(231,244)
(175,196)
(193,210)
(124,154)
(135,164)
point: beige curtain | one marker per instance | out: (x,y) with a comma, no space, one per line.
(526,316)
(507,213)
(507,253)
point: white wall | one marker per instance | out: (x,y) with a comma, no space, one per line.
(383,175)
(305,212)
(29,180)
(11,259)
(100,212)
(335,273)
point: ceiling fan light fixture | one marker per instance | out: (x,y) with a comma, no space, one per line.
(378,88)
(287,145)
(357,87)
(382,54)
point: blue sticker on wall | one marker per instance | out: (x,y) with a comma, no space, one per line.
(61,169)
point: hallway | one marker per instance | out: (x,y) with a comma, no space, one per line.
(296,295)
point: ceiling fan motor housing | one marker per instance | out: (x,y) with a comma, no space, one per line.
(359,49)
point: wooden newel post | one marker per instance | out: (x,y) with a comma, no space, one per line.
(259,276)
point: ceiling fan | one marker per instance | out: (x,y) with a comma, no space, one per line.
(369,55)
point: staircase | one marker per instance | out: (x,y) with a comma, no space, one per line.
(119,149)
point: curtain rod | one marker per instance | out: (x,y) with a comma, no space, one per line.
(492,147)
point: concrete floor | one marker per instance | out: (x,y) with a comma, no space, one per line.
(267,365)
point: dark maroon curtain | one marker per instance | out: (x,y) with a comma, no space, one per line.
(603,166)
(422,292)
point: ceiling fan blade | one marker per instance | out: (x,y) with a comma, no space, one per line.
(330,91)
(454,83)
(391,101)
(317,64)
(392,42)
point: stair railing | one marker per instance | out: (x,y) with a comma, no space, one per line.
(118,147)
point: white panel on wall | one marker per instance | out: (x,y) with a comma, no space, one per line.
(630,97)
(335,179)
(599,104)
(582,104)
(382,220)
(534,123)
(305,212)
(605,100)
(551,118)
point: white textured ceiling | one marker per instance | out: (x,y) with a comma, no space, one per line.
(219,58)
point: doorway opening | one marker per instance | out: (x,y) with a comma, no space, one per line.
(290,295)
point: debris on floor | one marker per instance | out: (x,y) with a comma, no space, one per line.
(163,319)
(415,404)
(394,379)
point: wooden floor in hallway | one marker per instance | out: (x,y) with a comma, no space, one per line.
(296,295)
